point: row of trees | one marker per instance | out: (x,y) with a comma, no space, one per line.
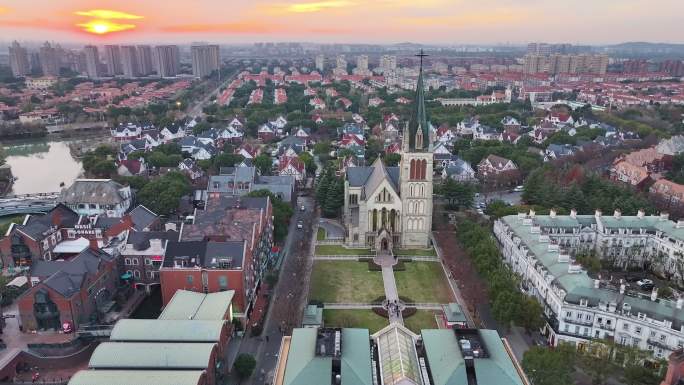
(330,192)
(458,195)
(599,360)
(509,305)
(582,190)
(163,195)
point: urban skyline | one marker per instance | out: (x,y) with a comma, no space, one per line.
(390,21)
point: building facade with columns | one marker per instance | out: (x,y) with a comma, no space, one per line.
(392,206)
(579,307)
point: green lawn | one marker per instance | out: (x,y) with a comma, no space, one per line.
(340,250)
(365,319)
(413,252)
(423,319)
(345,281)
(423,282)
(321,234)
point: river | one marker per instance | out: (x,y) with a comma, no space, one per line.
(41,165)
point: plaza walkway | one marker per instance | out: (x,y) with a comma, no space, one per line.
(387,261)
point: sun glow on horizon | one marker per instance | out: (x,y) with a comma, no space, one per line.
(102,25)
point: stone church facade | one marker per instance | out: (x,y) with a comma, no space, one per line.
(392,206)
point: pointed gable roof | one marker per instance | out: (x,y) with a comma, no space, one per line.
(377,176)
(419,118)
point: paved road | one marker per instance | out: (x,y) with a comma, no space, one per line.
(512,198)
(196,110)
(289,296)
(332,228)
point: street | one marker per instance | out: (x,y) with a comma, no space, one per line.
(196,110)
(288,297)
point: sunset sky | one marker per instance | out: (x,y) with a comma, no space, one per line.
(344,21)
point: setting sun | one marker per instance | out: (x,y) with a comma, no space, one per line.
(101,27)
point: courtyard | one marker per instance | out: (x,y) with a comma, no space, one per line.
(367,319)
(424,282)
(345,282)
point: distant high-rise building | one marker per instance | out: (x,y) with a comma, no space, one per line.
(49,61)
(168,60)
(205,60)
(113,57)
(320,62)
(672,67)
(146,59)
(92,59)
(19,60)
(362,62)
(130,61)
(340,65)
(573,64)
(388,63)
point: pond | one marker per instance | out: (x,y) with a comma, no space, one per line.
(41,165)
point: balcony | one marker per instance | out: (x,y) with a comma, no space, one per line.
(605,327)
(578,321)
(660,344)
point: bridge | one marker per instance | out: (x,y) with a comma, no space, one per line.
(28,203)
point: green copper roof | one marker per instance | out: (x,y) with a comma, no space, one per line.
(191,305)
(447,364)
(137,377)
(303,367)
(419,119)
(145,355)
(143,330)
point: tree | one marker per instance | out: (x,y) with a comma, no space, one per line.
(244,365)
(595,360)
(392,160)
(637,374)
(281,213)
(544,366)
(309,163)
(457,194)
(264,164)
(164,194)
(227,160)
(334,198)
(530,316)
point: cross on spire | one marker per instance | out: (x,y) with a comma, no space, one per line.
(421,55)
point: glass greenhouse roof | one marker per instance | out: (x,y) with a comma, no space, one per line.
(397,355)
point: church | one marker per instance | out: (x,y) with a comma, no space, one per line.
(387,207)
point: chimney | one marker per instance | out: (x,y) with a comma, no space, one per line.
(573,213)
(664,216)
(654,294)
(641,213)
(552,213)
(170,226)
(680,302)
(532,213)
(597,213)
(622,288)
(617,214)
(596,283)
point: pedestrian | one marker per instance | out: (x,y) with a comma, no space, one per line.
(266,338)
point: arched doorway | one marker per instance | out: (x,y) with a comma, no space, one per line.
(385,244)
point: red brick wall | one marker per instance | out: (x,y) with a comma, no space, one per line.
(176,279)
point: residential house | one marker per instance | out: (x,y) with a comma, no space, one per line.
(494,164)
(127,131)
(483,132)
(131,167)
(668,191)
(237,123)
(97,197)
(248,151)
(626,172)
(458,170)
(317,103)
(241,180)
(556,151)
(266,132)
(172,132)
(190,168)
(292,166)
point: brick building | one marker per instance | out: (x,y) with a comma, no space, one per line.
(77,290)
(142,256)
(227,247)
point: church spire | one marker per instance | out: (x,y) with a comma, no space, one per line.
(419,127)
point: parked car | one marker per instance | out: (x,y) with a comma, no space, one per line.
(303,208)
(300,224)
(645,284)
(518,188)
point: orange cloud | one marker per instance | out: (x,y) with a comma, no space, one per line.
(465,19)
(3,10)
(102,27)
(108,14)
(318,6)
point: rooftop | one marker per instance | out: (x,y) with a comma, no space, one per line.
(142,355)
(142,330)
(96,191)
(137,377)
(190,305)
(223,255)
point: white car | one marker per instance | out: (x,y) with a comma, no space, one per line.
(519,189)
(303,208)
(300,224)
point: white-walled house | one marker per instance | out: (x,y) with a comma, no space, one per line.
(579,308)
